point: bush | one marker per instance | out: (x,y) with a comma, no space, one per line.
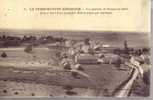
(118,63)
(146,78)
(75,75)
(28,49)
(67,67)
(4,55)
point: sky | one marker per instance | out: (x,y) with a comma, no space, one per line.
(136,19)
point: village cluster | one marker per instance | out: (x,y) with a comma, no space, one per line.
(71,55)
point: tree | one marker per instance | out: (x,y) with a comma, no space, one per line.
(125,45)
(3,37)
(87,41)
(118,62)
(145,50)
(126,49)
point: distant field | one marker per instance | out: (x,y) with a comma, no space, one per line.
(134,39)
(40,57)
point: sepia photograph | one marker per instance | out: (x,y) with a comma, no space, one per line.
(70,63)
(75,48)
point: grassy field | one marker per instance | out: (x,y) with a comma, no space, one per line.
(39,57)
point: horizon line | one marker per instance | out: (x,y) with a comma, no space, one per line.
(61,30)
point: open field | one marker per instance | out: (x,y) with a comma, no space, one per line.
(107,79)
(39,57)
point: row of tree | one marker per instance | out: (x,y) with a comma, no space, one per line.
(6,41)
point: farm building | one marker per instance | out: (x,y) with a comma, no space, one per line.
(86,59)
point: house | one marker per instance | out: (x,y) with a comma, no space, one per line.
(86,59)
(85,48)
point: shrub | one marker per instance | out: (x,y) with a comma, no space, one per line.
(3,55)
(28,49)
